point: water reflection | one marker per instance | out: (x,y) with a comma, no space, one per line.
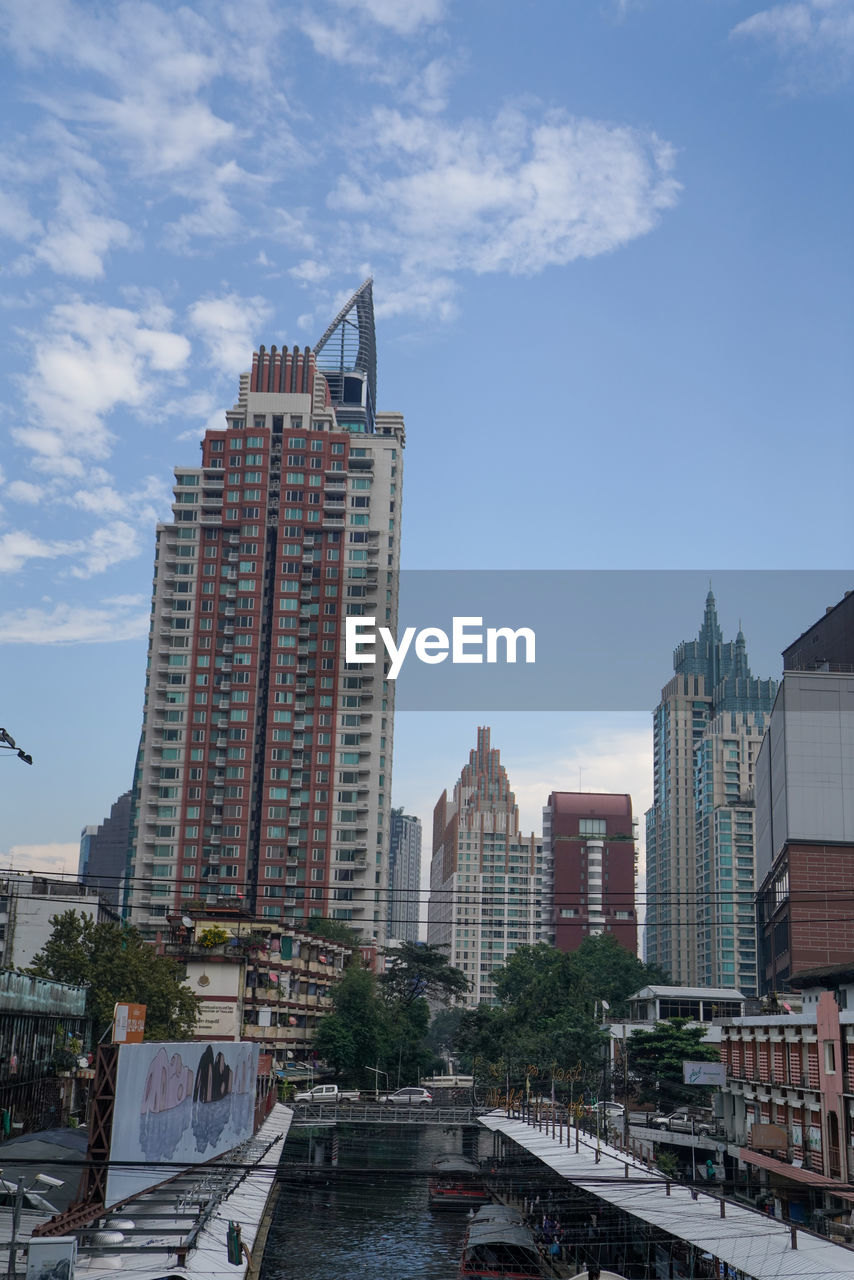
(370,1218)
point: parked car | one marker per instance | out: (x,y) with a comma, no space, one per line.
(328,1093)
(408,1097)
(684,1122)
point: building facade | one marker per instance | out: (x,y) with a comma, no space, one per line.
(104,852)
(788,1105)
(404,876)
(262,982)
(590,863)
(694,912)
(265,764)
(486,878)
(805,827)
(28,903)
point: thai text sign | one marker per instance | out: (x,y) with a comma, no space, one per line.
(129,1023)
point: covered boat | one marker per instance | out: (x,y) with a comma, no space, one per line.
(499,1246)
(457,1183)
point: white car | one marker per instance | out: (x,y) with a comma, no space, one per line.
(409,1097)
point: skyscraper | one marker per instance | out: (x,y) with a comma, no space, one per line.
(404,876)
(589,868)
(700,866)
(265,764)
(485,877)
(104,852)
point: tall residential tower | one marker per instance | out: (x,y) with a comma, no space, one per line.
(700,925)
(485,877)
(265,763)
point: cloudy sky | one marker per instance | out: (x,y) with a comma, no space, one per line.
(611,244)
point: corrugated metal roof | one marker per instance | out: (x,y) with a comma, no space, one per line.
(753,1243)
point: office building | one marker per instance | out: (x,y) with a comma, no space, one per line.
(486,878)
(589,863)
(706,734)
(28,904)
(104,852)
(805,807)
(265,764)
(404,876)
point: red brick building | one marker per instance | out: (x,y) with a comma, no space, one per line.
(589,850)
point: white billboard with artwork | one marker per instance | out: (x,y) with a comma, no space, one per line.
(177,1104)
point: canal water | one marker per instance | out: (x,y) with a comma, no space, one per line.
(368,1218)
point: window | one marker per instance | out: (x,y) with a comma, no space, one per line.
(591,826)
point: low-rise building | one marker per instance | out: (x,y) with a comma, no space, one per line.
(702,1006)
(38,1017)
(788,1105)
(258,980)
(28,904)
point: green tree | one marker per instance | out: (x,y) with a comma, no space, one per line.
(655,1063)
(115,963)
(416,971)
(355,1035)
(547,1024)
(334,930)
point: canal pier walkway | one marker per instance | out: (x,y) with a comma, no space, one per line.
(735,1238)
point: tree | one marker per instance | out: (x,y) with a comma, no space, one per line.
(655,1063)
(333,930)
(115,963)
(546,1028)
(415,970)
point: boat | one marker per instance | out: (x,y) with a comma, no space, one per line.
(457,1183)
(498,1246)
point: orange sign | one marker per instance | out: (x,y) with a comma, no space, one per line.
(128,1023)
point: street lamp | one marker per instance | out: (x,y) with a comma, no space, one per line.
(42,1179)
(7,743)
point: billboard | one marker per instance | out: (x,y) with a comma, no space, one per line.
(713,1073)
(177,1104)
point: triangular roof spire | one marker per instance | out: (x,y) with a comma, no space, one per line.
(346,355)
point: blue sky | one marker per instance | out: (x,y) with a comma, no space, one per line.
(612,258)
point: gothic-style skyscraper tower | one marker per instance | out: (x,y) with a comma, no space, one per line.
(699,831)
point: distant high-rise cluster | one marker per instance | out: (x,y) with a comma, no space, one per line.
(264,772)
(700,859)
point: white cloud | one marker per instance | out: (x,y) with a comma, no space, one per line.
(18,547)
(109,545)
(77,239)
(517,195)
(76,624)
(402,16)
(227,326)
(16,221)
(310,272)
(814,37)
(23,491)
(88,361)
(49,859)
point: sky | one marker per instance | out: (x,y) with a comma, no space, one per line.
(612,259)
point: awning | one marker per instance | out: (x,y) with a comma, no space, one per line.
(784,1170)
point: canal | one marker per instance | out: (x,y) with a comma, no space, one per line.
(369,1216)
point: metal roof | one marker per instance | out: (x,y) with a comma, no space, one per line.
(753,1243)
(688,993)
(157,1241)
